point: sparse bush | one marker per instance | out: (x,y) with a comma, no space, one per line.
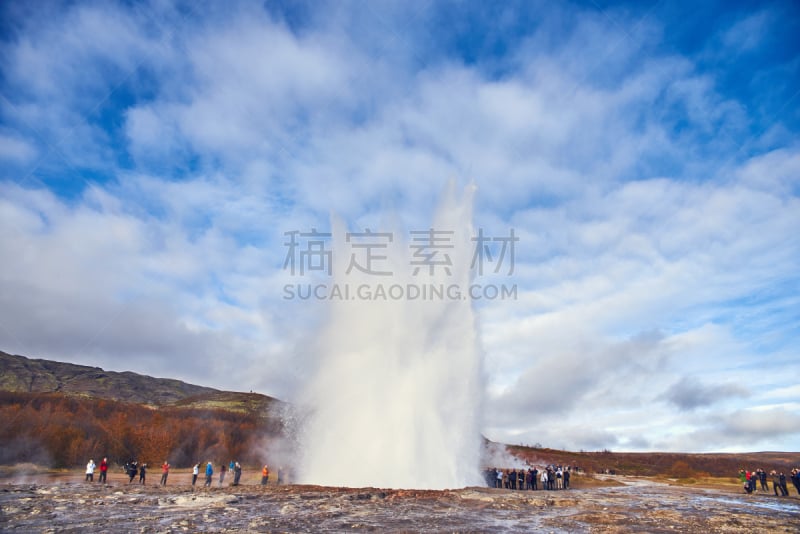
(681,469)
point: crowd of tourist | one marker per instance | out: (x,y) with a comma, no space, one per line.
(551,477)
(132,468)
(758,481)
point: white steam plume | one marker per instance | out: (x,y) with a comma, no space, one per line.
(396,397)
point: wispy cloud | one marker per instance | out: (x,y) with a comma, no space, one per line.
(152,156)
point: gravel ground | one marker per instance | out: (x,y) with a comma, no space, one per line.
(638,505)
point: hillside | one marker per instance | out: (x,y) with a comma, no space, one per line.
(19,374)
(58,414)
(673,464)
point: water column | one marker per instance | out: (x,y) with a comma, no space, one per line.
(395,398)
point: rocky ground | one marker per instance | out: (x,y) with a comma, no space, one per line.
(70,505)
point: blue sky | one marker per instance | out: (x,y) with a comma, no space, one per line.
(153,154)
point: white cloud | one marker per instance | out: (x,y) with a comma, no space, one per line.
(748,32)
(652,248)
(16,150)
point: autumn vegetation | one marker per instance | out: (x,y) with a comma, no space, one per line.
(674,465)
(61,430)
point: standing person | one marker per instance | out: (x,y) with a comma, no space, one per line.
(237,473)
(796,479)
(488,475)
(751,483)
(164,472)
(265,475)
(142,473)
(209,474)
(776,483)
(231,465)
(103,470)
(784,489)
(221,474)
(90,471)
(133,469)
(534,477)
(195,472)
(543,479)
(280,476)
(499,480)
(566,479)
(762,478)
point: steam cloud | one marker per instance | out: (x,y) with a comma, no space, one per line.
(396,397)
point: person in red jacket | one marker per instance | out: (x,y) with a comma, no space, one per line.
(164,473)
(103,470)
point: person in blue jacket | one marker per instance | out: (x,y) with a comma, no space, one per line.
(209,473)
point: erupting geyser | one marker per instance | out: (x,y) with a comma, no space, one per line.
(395,399)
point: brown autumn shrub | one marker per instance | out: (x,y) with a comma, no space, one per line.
(681,469)
(66,431)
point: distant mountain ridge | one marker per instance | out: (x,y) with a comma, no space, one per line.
(25,375)
(58,414)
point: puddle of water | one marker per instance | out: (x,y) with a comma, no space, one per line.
(769,504)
